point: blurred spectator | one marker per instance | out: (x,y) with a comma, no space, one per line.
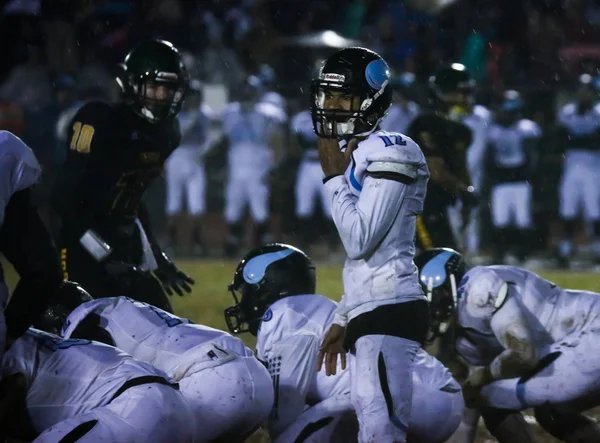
(28,84)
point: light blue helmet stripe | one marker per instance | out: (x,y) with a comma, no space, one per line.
(255,268)
(436,269)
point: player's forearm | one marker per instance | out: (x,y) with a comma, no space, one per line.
(363,223)
(144,217)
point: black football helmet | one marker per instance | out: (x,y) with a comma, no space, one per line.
(452,91)
(265,275)
(440,272)
(154,80)
(361,78)
(70,295)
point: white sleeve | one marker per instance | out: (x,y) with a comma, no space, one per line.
(340,317)
(512,331)
(363,223)
(291,363)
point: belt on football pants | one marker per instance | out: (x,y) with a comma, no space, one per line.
(144,380)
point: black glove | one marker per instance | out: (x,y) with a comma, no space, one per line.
(171,278)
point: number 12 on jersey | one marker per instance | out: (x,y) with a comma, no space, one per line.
(391,140)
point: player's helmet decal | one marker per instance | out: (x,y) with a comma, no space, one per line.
(440,271)
(265,275)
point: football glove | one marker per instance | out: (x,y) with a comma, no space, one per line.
(171,278)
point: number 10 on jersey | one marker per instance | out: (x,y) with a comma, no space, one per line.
(82,137)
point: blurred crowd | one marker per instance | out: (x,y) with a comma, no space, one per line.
(60,53)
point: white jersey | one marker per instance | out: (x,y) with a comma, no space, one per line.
(376,221)
(508,142)
(249,132)
(534,311)
(18,166)
(399,117)
(288,342)
(170,343)
(582,146)
(65,378)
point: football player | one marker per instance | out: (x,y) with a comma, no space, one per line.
(79,390)
(254,133)
(184,173)
(376,183)
(24,241)
(229,391)
(511,163)
(444,141)
(529,343)
(274,290)
(579,188)
(114,153)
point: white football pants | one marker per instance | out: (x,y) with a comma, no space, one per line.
(229,399)
(144,413)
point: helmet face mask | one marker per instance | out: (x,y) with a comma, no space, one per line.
(351,94)
(440,273)
(154,80)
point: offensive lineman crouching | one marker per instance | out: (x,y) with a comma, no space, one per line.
(274,289)
(531,344)
(78,390)
(229,392)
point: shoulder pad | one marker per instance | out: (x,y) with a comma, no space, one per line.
(483,291)
(568,109)
(530,128)
(18,162)
(482,112)
(392,147)
(271,111)
(96,110)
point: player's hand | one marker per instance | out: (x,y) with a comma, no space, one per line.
(171,278)
(472,396)
(332,346)
(333,160)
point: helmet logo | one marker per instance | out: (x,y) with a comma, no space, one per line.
(268,315)
(255,268)
(377,74)
(331,77)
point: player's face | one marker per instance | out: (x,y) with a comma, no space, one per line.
(340,100)
(158,92)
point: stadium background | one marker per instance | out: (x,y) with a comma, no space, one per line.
(59,52)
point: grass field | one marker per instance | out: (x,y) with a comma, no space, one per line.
(210,296)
